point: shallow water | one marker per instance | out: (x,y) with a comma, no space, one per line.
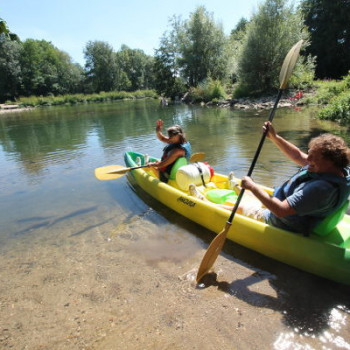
(97,265)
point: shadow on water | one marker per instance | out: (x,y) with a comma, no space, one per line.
(305,301)
(48,221)
(89,228)
(127,194)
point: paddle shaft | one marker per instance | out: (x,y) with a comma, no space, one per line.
(138,167)
(125,170)
(257,153)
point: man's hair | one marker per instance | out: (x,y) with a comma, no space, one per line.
(333,148)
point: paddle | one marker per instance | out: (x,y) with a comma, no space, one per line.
(218,242)
(197,157)
(112,172)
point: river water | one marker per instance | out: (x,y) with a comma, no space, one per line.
(87,264)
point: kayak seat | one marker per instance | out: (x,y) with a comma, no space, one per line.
(330,222)
(178,164)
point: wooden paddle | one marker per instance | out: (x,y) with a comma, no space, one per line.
(218,242)
(112,172)
(197,157)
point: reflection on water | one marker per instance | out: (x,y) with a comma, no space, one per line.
(47,188)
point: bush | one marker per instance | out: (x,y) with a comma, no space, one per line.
(241,90)
(303,75)
(338,110)
(208,90)
(34,101)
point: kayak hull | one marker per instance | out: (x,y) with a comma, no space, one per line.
(328,256)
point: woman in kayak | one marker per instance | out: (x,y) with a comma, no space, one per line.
(317,190)
(177,147)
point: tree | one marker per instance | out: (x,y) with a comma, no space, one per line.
(329,26)
(135,66)
(47,70)
(240,28)
(202,45)
(70,75)
(4,30)
(236,40)
(100,66)
(270,34)
(166,64)
(10,68)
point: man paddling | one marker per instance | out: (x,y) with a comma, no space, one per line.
(318,189)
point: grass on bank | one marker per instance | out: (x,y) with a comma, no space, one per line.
(35,101)
(334,96)
(338,109)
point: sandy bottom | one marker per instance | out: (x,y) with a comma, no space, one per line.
(96,284)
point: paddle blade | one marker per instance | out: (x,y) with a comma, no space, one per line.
(212,253)
(110,172)
(197,157)
(288,64)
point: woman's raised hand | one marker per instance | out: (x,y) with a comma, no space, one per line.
(159,124)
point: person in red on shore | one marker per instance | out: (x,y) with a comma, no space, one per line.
(299,95)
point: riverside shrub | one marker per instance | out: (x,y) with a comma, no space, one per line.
(338,109)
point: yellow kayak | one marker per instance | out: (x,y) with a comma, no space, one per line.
(326,256)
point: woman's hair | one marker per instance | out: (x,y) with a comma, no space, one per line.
(332,148)
(177,130)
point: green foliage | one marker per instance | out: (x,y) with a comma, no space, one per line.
(46,70)
(5,31)
(191,52)
(235,44)
(327,90)
(338,110)
(304,74)
(329,26)
(336,95)
(166,67)
(209,90)
(99,66)
(106,70)
(194,53)
(242,90)
(134,69)
(34,101)
(10,68)
(272,31)
(240,28)
(203,48)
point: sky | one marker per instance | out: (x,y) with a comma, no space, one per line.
(139,24)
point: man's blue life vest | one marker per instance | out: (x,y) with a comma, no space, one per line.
(342,184)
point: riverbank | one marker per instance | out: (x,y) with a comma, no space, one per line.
(242,104)
(12,108)
(261,103)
